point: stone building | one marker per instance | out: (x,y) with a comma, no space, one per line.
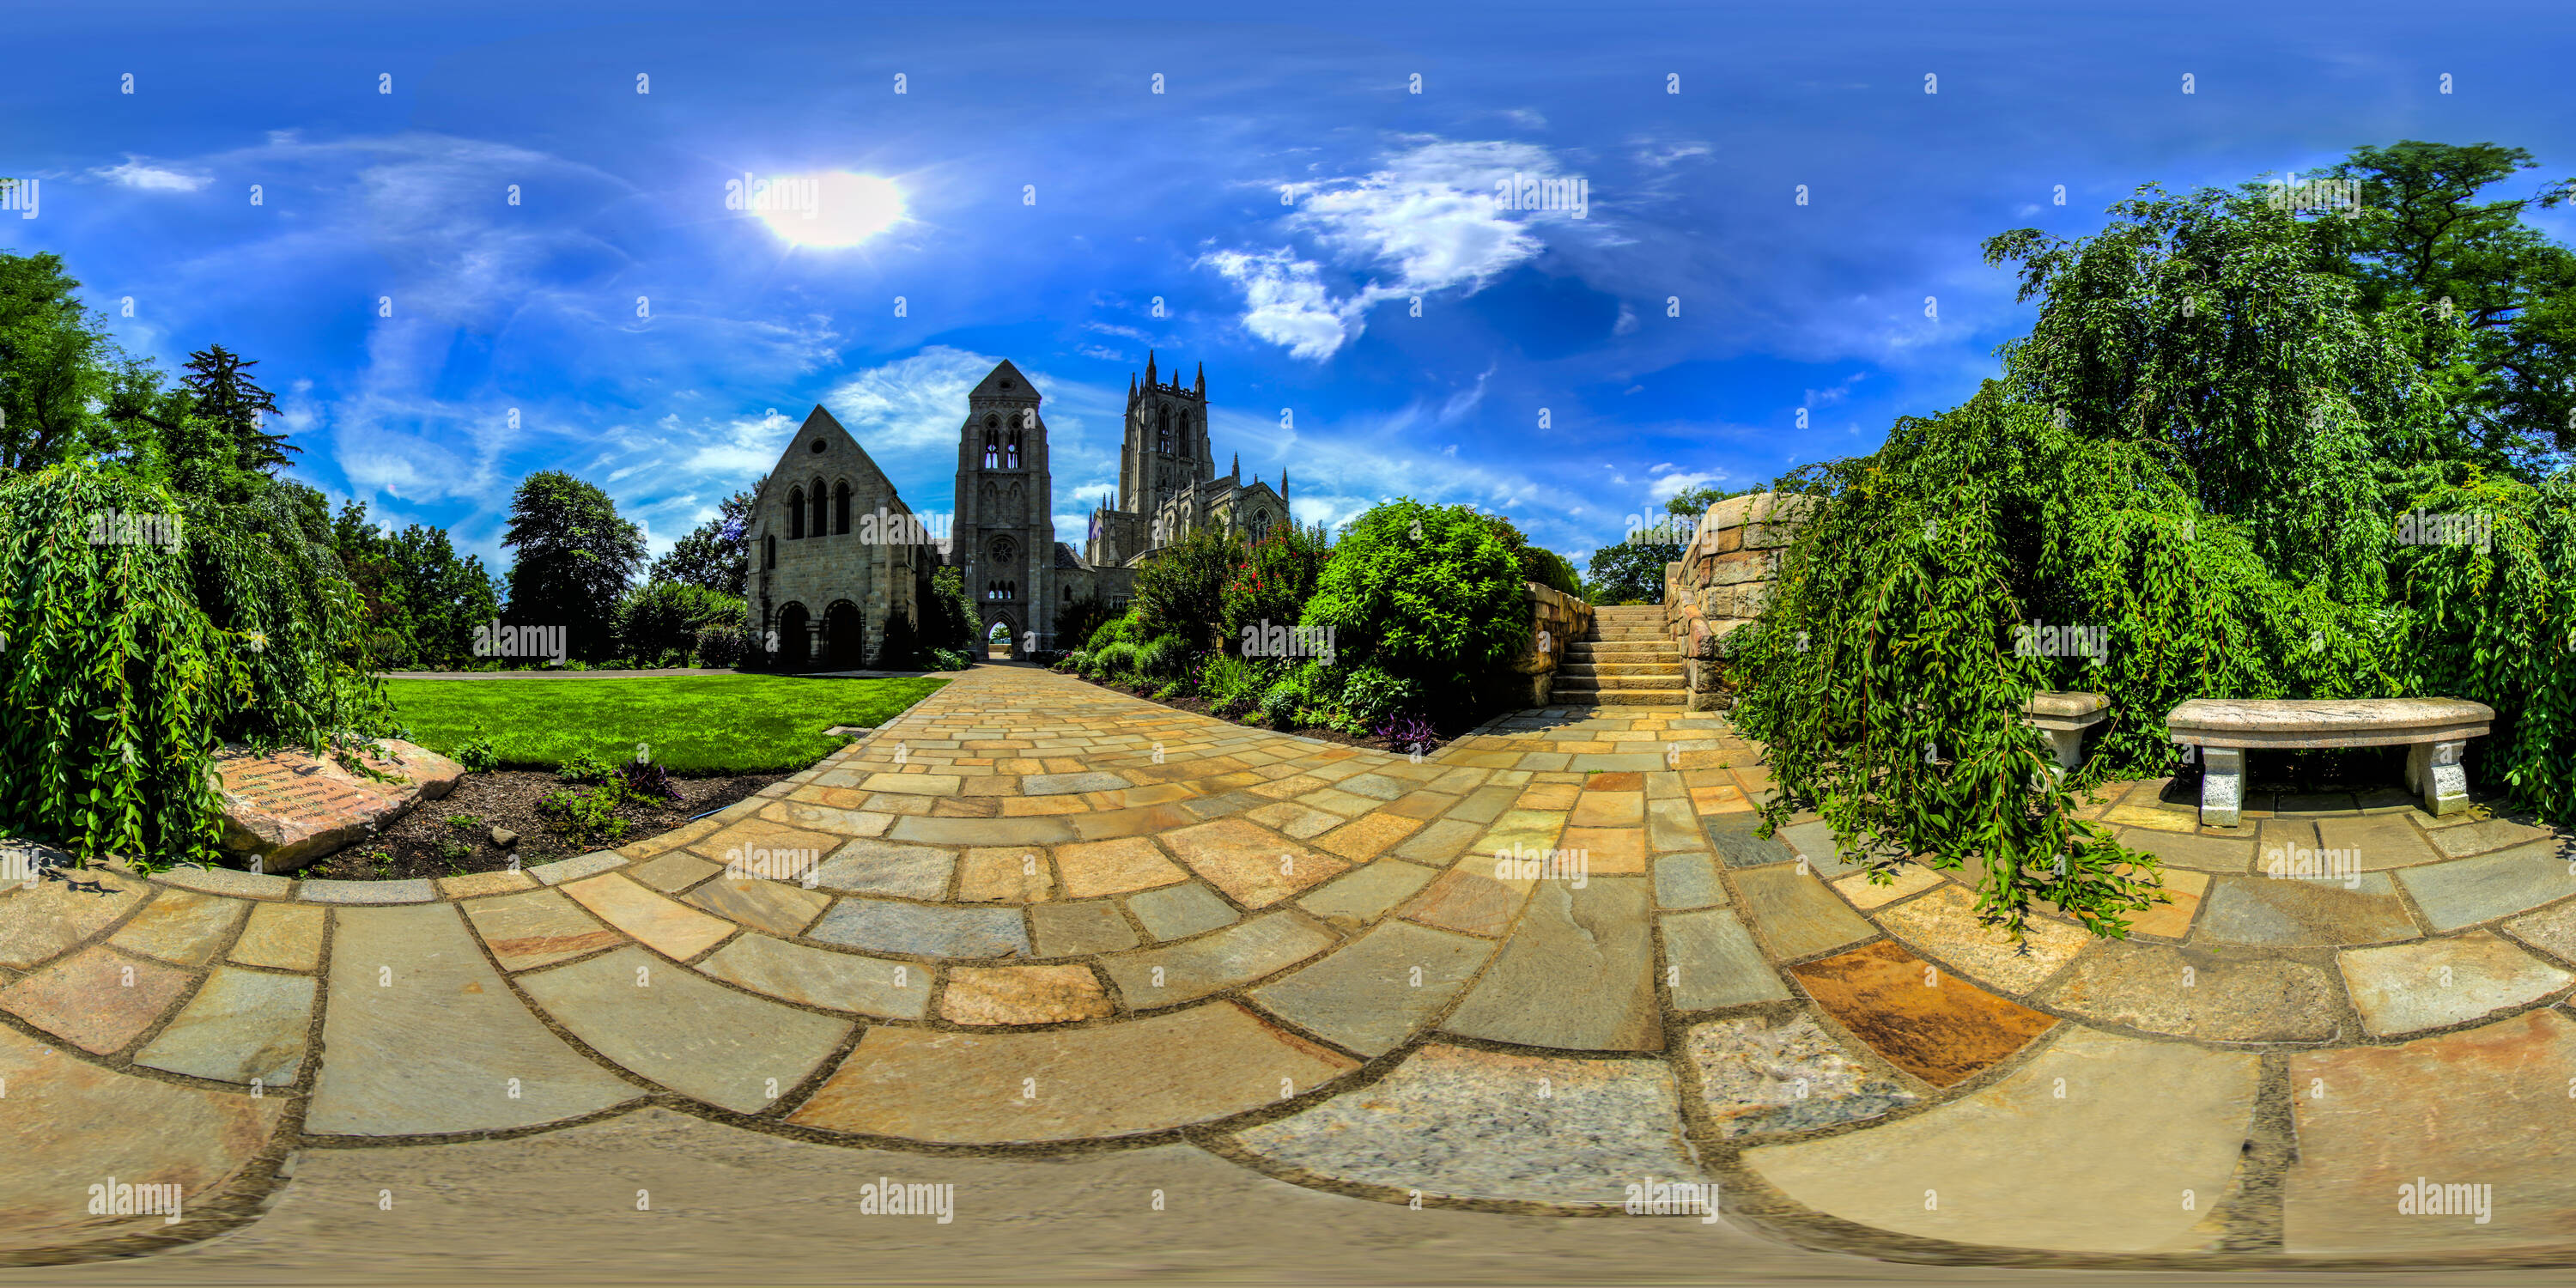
(835,552)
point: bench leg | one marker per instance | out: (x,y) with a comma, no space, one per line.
(2222,786)
(2069,746)
(2433,769)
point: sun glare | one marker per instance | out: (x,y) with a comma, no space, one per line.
(845,209)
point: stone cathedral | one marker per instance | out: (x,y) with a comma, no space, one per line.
(836,554)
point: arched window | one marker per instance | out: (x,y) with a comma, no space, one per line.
(1184,428)
(795,513)
(992,442)
(1260,524)
(817,498)
(1011,451)
(1163,436)
(840,509)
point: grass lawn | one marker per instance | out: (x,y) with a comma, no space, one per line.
(693,724)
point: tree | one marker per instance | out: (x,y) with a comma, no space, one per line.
(1180,588)
(1630,572)
(574,560)
(2423,247)
(54,363)
(221,390)
(717,553)
(1427,593)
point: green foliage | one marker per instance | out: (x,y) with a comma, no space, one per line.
(947,659)
(124,664)
(222,391)
(575,558)
(1164,658)
(1534,563)
(1080,619)
(584,818)
(477,756)
(1112,660)
(1370,695)
(1232,685)
(1180,589)
(1630,572)
(54,365)
(1428,593)
(716,554)
(667,616)
(949,619)
(1273,582)
(1127,628)
(586,767)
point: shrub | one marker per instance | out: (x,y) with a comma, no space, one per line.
(1273,583)
(583,818)
(1180,589)
(1113,661)
(949,620)
(1164,657)
(667,617)
(1072,663)
(1409,733)
(723,646)
(585,767)
(123,666)
(645,782)
(1080,619)
(477,756)
(1280,703)
(1126,628)
(1427,593)
(1371,695)
(1232,685)
(948,659)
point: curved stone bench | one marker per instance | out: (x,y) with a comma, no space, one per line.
(2434,731)
(2064,717)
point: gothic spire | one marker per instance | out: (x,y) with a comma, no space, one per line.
(1202,388)
(1149,368)
(1236,471)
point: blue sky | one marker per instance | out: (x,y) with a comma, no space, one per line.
(1052,201)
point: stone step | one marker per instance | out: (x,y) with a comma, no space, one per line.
(1569,670)
(1588,684)
(1619,650)
(1619,698)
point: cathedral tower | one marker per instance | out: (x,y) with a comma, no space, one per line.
(1004,534)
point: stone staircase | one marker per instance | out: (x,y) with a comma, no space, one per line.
(1625,659)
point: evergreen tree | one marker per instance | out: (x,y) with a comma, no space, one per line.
(222,391)
(575,560)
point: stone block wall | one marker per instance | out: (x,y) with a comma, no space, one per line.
(1556,618)
(1723,580)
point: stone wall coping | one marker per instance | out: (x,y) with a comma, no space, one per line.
(2320,723)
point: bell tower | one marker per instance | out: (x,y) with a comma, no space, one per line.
(1004,543)
(1166,451)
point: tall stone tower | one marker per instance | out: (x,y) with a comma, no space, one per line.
(1166,450)
(1004,532)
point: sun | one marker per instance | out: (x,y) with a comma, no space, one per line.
(847,209)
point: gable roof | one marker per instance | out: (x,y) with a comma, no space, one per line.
(1005,381)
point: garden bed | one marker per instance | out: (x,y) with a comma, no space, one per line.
(425,843)
(1448,730)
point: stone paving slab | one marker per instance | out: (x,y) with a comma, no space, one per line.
(1684,881)
(2464,892)
(1907,881)
(867,866)
(1758,1076)
(667,1024)
(2017,1166)
(578,866)
(2375,842)
(1254,867)
(1070,929)
(39,925)
(2408,988)
(1460,1123)
(1023,995)
(181,927)
(284,936)
(1372,994)
(2186,850)
(1577,973)
(923,930)
(771,907)
(1192,969)
(66,1125)
(1148,1074)
(243,1025)
(2482,835)
(421,1036)
(1931,1024)
(417,890)
(96,999)
(229,881)
(658,921)
(1796,914)
(829,980)
(1710,960)
(1812,841)
(2482,1107)
(1179,911)
(1122,866)
(536,928)
(2362,908)
(2199,994)
(1362,896)
(1944,925)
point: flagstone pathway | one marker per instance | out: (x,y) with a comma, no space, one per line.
(1043,914)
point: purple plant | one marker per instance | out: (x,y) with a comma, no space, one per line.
(644,780)
(1409,732)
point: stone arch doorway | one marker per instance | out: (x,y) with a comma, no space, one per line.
(1003,632)
(844,636)
(793,629)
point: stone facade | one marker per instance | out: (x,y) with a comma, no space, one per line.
(836,554)
(1723,580)
(1557,619)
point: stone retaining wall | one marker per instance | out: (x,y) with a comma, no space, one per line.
(1723,580)
(1557,618)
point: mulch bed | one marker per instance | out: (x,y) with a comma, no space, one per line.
(1448,731)
(422,843)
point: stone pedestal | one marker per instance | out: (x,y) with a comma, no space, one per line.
(2222,786)
(2064,717)
(2433,770)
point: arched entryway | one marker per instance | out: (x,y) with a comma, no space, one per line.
(844,636)
(793,630)
(1002,636)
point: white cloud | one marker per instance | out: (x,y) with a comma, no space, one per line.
(1425,222)
(911,403)
(137,173)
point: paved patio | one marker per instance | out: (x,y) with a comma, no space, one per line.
(1045,915)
